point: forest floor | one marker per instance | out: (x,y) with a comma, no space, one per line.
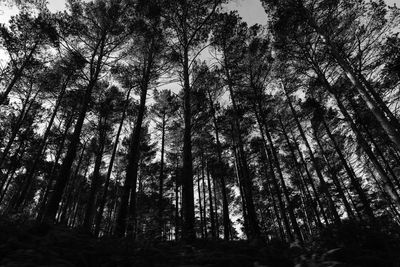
(29,244)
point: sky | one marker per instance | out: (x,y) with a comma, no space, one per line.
(250,10)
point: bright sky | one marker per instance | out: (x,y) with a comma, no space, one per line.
(250,10)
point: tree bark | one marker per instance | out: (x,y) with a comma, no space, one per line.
(246,182)
(351,174)
(103,199)
(28,180)
(26,106)
(298,167)
(210,200)
(334,177)
(324,186)
(17,75)
(363,87)
(161,179)
(95,183)
(187,183)
(65,170)
(221,174)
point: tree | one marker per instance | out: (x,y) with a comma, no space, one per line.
(24,40)
(146,70)
(190,22)
(102,25)
(163,109)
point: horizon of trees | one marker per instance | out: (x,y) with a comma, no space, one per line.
(289,128)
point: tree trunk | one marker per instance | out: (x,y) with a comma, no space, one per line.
(177,219)
(204,201)
(281,203)
(65,170)
(16,129)
(275,159)
(202,224)
(311,181)
(134,153)
(376,147)
(363,87)
(246,182)
(388,185)
(272,196)
(210,200)
(221,175)
(298,167)
(95,183)
(10,176)
(334,178)
(131,170)
(351,174)
(103,199)
(28,180)
(17,75)
(187,183)
(161,179)
(324,186)
(51,176)
(216,208)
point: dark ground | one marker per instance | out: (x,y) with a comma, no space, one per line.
(28,244)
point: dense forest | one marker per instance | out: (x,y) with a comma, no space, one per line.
(173,123)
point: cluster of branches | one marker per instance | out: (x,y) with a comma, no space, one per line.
(288,128)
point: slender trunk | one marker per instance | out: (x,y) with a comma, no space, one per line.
(17,75)
(10,176)
(273,200)
(334,177)
(204,201)
(200,209)
(221,175)
(216,209)
(210,200)
(374,102)
(74,183)
(311,181)
(134,152)
(380,154)
(351,174)
(187,183)
(13,162)
(239,176)
(65,170)
(281,203)
(26,106)
(28,180)
(95,183)
(161,179)
(275,159)
(131,170)
(51,175)
(376,147)
(246,182)
(385,194)
(388,185)
(323,183)
(264,161)
(103,199)
(298,167)
(177,226)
